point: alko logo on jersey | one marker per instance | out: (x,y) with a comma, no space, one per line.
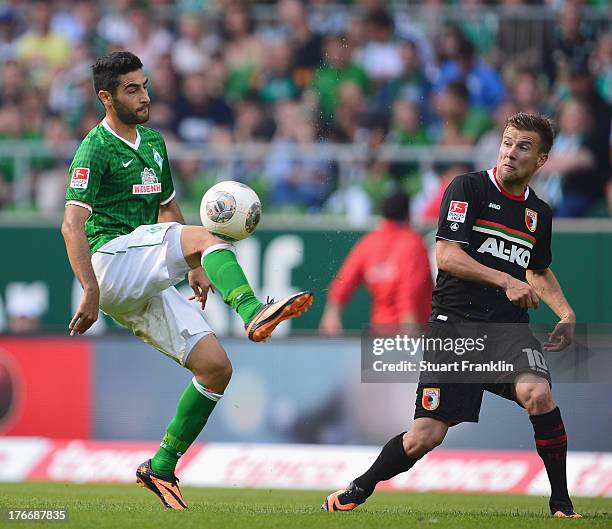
(514,254)
(150,183)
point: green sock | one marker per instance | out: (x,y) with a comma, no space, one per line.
(227,277)
(192,412)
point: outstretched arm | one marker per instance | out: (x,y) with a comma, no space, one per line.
(545,283)
(77,247)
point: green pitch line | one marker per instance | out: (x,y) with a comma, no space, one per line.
(126,507)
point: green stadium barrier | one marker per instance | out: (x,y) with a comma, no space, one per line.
(34,267)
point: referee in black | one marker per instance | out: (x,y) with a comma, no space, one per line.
(493,255)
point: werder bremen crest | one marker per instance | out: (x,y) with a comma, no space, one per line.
(158,158)
(150,183)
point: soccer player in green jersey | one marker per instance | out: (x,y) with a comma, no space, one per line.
(128,246)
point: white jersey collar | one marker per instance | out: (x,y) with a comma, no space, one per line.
(134,145)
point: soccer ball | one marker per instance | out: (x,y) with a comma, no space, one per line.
(230,210)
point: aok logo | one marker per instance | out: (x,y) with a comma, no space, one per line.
(514,254)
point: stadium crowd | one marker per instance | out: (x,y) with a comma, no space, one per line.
(316,73)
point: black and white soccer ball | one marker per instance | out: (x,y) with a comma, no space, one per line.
(230,210)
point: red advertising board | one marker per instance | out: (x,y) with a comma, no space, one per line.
(45,387)
(299,466)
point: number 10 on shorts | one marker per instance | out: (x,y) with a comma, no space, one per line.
(535,359)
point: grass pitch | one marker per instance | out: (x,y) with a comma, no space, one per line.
(125,507)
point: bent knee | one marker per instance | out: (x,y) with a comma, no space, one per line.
(536,399)
(420,444)
(218,373)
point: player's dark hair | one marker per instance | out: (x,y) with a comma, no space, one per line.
(107,69)
(396,206)
(534,123)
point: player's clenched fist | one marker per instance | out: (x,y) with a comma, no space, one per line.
(521,294)
(87,313)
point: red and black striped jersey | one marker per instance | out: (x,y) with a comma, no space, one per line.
(502,231)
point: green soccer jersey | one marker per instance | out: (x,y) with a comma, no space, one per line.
(122,184)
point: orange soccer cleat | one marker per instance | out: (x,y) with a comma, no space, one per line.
(166,487)
(273,312)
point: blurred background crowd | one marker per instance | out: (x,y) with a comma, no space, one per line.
(320,105)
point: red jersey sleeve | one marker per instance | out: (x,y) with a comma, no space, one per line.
(415,285)
(350,275)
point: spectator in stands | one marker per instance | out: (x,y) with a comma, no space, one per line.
(163,82)
(380,57)
(602,66)
(148,40)
(413,84)
(115,25)
(70,91)
(275,78)
(486,87)
(33,110)
(11,128)
(88,15)
(8,34)
(582,87)
(478,24)
(193,48)
(198,112)
(13,83)
(407,129)
(324,17)
(243,50)
(203,72)
(337,68)
(346,123)
(298,177)
(393,264)
(527,91)
(40,50)
(460,123)
(307,46)
(569,181)
(573,40)
(52,177)
(78,23)
(252,125)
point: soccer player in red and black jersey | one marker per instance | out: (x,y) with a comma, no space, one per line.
(493,254)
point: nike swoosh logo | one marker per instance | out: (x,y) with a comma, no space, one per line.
(125,164)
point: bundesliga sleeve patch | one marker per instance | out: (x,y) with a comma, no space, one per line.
(80,178)
(457,211)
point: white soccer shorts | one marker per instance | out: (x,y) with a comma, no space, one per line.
(137,273)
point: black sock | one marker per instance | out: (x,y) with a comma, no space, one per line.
(551,445)
(391,461)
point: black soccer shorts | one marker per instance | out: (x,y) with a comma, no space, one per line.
(457,397)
